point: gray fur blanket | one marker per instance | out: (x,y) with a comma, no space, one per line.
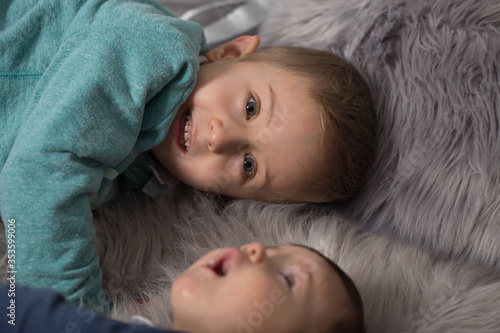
(146,244)
(434,70)
(422,238)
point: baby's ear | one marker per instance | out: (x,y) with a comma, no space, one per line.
(234,49)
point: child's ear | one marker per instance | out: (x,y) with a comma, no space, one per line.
(234,49)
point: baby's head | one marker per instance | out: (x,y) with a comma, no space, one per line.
(277,124)
(254,289)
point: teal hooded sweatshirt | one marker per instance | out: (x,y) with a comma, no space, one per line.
(85,87)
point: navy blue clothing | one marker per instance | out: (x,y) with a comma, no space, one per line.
(28,310)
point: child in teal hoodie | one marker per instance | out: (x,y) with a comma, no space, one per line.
(85,87)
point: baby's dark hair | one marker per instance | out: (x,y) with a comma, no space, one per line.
(348,121)
(353,323)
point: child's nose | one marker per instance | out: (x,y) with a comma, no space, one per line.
(255,251)
(223,137)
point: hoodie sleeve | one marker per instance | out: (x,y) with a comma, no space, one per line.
(109,93)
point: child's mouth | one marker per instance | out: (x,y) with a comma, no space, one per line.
(186,131)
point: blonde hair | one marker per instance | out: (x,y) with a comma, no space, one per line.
(347,118)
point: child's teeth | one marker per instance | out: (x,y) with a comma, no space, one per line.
(187,126)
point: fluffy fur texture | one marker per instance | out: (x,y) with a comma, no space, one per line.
(421,240)
(433,68)
(404,288)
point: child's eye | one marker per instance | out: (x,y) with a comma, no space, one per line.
(249,165)
(252,108)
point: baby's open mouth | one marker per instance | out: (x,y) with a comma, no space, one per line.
(185,130)
(223,262)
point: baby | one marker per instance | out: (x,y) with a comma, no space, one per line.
(89,87)
(253,289)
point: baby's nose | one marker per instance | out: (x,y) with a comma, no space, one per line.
(224,138)
(255,251)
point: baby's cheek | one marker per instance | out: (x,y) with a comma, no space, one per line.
(264,297)
(184,289)
(262,312)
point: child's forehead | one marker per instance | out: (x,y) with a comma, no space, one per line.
(269,70)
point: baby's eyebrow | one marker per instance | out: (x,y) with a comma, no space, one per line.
(302,269)
(274,247)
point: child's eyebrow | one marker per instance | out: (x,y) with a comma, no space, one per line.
(264,171)
(271,100)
